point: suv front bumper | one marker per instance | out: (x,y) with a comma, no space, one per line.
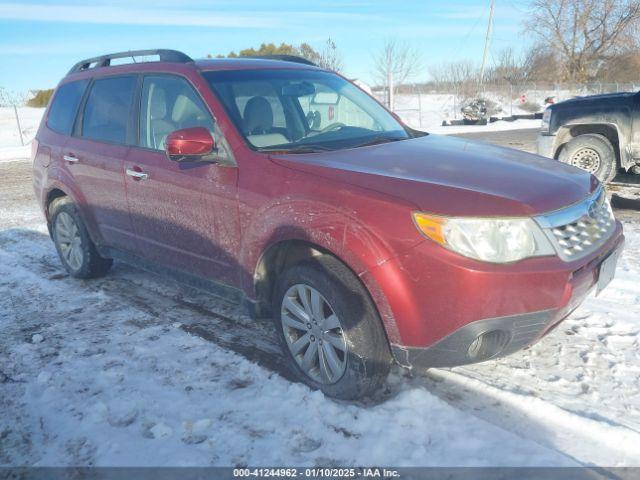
(452,311)
(546,145)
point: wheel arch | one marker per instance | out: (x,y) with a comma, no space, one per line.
(610,131)
(284,254)
(53,194)
(59,190)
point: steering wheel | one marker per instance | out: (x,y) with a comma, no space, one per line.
(332,126)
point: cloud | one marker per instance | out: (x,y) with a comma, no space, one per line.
(129,16)
(125,15)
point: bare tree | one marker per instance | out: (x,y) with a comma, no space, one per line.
(461,77)
(583,33)
(330,58)
(621,68)
(508,66)
(541,64)
(395,64)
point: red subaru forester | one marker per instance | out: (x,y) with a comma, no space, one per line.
(287,187)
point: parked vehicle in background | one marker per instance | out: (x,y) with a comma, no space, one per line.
(285,186)
(599,133)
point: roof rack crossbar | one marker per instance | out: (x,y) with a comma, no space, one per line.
(286,58)
(105,60)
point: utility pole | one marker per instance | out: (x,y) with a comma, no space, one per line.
(487,41)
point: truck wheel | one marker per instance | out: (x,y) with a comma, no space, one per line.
(593,153)
(330,329)
(75,248)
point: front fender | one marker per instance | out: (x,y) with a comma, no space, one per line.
(336,230)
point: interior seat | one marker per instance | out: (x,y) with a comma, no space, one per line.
(258,123)
(159,127)
(187,113)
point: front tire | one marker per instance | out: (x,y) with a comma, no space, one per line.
(593,153)
(330,329)
(77,251)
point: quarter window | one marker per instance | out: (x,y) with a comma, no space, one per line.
(108,109)
(64,107)
(169,103)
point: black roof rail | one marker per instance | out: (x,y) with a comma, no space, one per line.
(105,60)
(286,58)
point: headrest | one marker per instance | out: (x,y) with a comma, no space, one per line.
(258,116)
(184,108)
(158,108)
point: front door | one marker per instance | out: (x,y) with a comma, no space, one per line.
(184,215)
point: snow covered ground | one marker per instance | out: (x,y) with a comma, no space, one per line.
(10,146)
(133,369)
(427,111)
(499,126)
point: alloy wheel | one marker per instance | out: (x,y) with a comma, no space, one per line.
(67,235)
(314,334)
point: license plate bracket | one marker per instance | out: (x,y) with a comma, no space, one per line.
(606,271)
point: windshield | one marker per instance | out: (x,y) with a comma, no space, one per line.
(302,110)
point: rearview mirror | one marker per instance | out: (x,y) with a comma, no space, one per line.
(301,89)
(193,144)
(325,98)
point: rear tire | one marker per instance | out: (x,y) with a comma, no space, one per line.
(593,153)
(362,357)
(77,251)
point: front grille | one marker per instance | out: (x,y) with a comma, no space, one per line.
(581,229)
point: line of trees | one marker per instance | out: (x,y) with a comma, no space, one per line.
(576,41)
(328,57)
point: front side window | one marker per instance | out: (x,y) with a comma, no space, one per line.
(108,109)
(64,106)
(302,110)
(169,103)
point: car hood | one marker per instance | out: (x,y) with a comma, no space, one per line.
(453,176)
(608,97)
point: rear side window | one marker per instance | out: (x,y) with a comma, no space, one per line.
(64,107)
(108,109)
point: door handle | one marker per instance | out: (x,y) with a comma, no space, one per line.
(70,158)
(137,175)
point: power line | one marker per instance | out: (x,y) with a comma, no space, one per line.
(455,51)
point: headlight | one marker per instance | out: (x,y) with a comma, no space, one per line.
(496,240)
(546,121)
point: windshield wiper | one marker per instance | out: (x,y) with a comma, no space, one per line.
(297,149)
(378,140)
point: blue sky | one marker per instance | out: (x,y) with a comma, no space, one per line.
(40,39)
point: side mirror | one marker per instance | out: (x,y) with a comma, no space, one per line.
(190,145)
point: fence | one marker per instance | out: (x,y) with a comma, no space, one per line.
(12,100)
(424,105)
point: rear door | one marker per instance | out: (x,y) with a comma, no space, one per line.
(95,155)
(62,115)
(184,215)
